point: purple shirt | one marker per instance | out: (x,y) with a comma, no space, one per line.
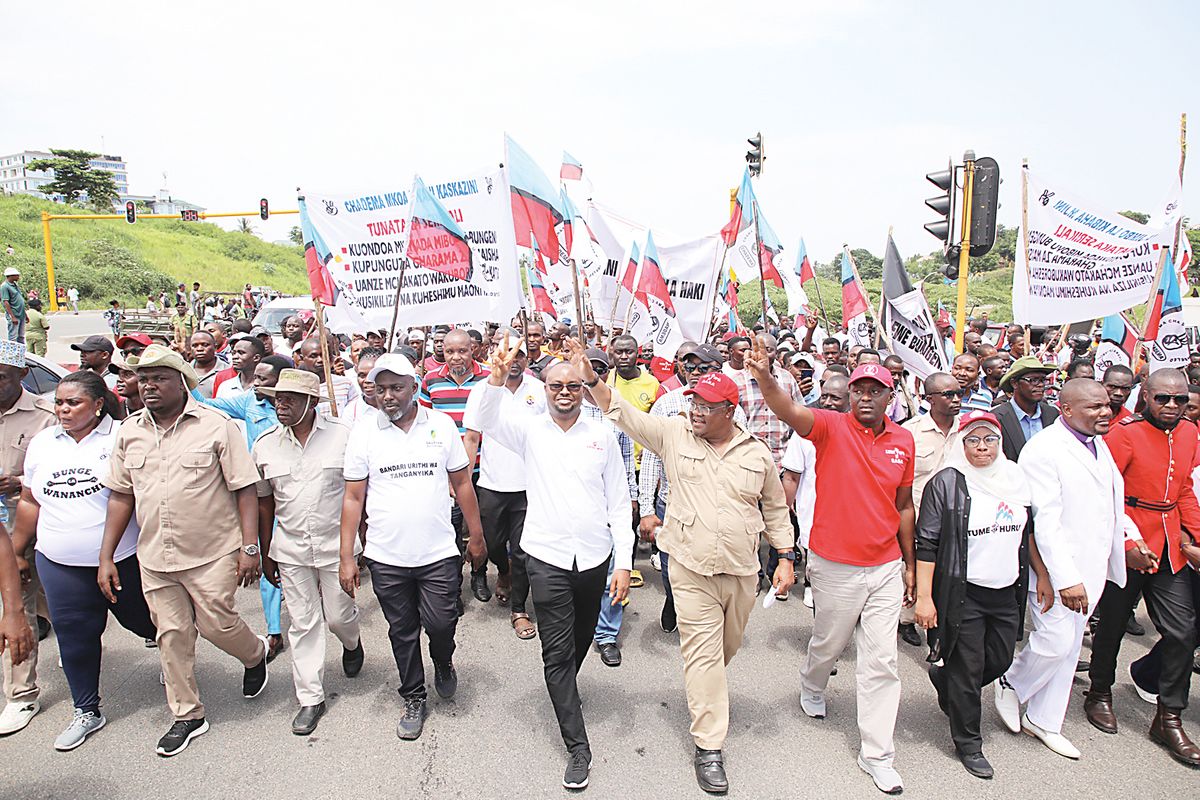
(1088,441)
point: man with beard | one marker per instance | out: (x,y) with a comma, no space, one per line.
(835,393)
(400,467)
(1160,502)
(1079,530)
(832,352)
(577,520)
(862,554)
(1026,413)
(446,389)
(186,470)
(95,354)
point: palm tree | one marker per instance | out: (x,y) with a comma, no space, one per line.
(244,226)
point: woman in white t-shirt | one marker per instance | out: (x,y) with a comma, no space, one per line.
(63,501)
(974,550)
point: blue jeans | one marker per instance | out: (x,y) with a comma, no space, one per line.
(16,331)
(608,625)
(660,510)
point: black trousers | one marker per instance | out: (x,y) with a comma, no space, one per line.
(568,604)
(459,523)
(413,598)
(1169,600)
(982,653)
(503,517)
(1148,669)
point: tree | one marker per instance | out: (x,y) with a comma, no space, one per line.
(244,226)
(1137,216)
(297,236)
(74,178)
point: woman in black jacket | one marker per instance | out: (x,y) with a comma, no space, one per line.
(974,549)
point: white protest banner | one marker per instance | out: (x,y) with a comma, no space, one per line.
(1170,349)
(367,236)
(1083,263)
(690,271)
(909,326)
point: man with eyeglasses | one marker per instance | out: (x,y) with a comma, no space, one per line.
(653,487)
(577,521)
(862,558)
(1159,500)
(932,436)
(1026,414)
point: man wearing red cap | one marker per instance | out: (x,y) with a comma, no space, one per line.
(861,551)
(725,494)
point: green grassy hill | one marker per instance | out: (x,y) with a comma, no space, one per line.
(111,259)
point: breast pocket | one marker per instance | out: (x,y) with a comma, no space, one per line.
(197,467)
(750,477)
(691,469)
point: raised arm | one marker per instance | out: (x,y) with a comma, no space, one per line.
(649,431)
(777,398)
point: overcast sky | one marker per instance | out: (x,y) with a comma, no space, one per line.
(856,100)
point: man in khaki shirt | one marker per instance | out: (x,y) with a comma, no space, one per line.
(932,435)
(300,494)
(725,493)
(187,467)
(22,415)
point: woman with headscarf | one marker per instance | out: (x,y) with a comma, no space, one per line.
(974,550)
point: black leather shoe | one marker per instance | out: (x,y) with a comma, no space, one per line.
(667,620)
(710,771)
(43,628)
(458,605)
(977,765)
(908,632)
(479,587)
(352,660)
(610,654)
(306,721)
(1134,628)
(445,680)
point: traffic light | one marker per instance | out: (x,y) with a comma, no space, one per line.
(943,205)
(130,212)
(755,156)
(263,210)
(190,215)
(985,200)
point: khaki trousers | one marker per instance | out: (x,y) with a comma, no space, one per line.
(315,599)
(712,613)
(187,602)
(20,682)
(863,602)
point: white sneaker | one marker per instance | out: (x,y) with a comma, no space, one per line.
(887,780)
(813,704)
(656,562)
(807,598)
(1008,706)
(83,725)
(1055,741)
(16,716)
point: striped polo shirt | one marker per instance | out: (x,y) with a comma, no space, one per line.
(439,391)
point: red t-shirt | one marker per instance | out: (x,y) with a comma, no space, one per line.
(221,377)
(855,520)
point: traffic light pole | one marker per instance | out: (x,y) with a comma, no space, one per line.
(964,255)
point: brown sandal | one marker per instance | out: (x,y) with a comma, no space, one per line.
(523,627)
(503,589)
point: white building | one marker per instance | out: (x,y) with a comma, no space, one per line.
(15,178)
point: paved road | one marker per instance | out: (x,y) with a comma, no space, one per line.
(66,328)
(497,737)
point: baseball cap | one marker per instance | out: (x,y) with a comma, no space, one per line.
(802,357)
(94,343)
(596,354)
(133,339)
(392,362)
(975,417)
(715,387)
(259,330)
(706,352)
(416,334)
(875,372)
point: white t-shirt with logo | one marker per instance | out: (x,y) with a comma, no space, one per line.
(408,486)
(64,477)
(500,469)
(994,533)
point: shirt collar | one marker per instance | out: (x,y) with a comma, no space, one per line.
(191,408)
(25,402)
(1082,437)
(319,423)
(1037,414)
(103,428)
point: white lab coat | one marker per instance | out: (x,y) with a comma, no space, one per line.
(1079,510)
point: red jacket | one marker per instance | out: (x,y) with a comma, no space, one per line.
(1157,468)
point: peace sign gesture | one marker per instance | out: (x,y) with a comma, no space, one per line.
(502,360)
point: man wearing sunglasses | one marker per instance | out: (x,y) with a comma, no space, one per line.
(1026,413)
(1158,499)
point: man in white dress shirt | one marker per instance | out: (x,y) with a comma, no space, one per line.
(577,519)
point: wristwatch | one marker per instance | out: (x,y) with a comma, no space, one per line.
(250,549)
(591,383)
(789,555)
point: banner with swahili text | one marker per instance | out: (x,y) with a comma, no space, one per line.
(1083,262)
(908,327)
(367,237)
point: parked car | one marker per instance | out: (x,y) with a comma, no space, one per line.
(272,314)
(43,375)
